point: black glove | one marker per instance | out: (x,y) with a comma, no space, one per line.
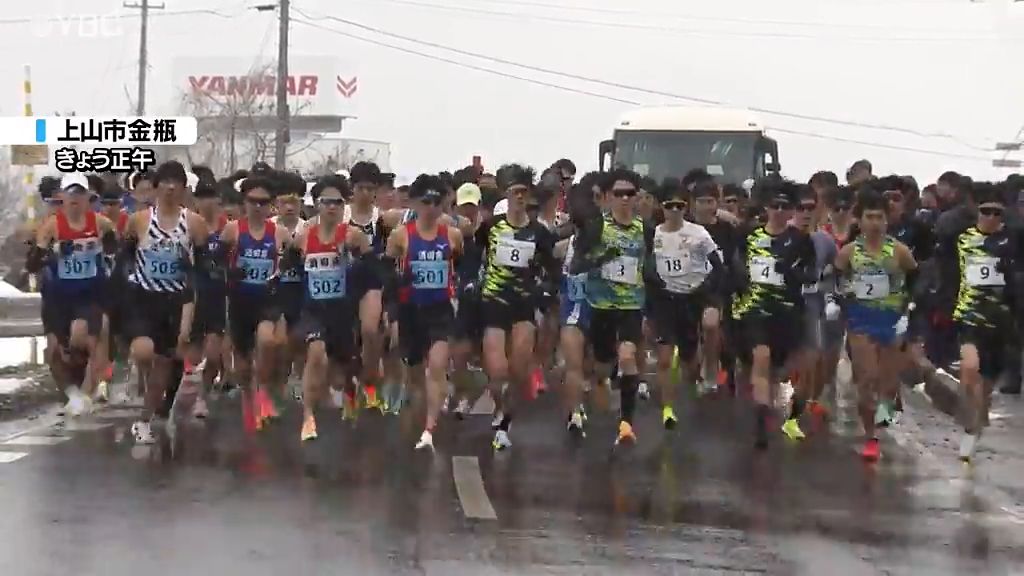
(109,241)
(67,247)
(291,260)
(235,274)
(37,259)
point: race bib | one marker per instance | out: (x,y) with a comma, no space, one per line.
(429,274)
(164,265)
(291,276)
(256,270)
(622,270)
(80,264)
(673,265)
(871,286)
(514,253)
(762,271)
(981,271)
(577,288)
(325,277)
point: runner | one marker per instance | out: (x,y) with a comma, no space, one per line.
(255,244)
(980,271)
(158,251)
(71,243)
(468,332)
(426,252)
(683,285)
(290,291)
(776,262)
(612,250)
(880,271)
(327,249)
(518,258)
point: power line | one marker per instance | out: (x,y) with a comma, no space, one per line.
(644,90)
(464,64)
(464,10)
(723,19)
(124,16)
(604,96)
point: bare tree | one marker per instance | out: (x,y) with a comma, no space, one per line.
(234,130)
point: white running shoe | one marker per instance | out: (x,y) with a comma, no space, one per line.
(199,408)
(338,397)
(143,433)
(103,392)
(576,422)
(498,417)
(968,444)
(643,391)
(426,441)
(78,403)
(501,440)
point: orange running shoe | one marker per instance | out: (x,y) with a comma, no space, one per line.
(872,451)
(250,422)
(268,409)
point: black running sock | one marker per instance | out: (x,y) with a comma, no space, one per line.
(761,425)
(796,408)
(628,385)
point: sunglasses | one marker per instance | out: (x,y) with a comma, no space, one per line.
(808,207)
(674,205)
(990,211)
(331,201)
(624,193)
(780,206)
(261,202)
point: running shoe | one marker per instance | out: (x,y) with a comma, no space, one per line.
(668,417)
(626,433)
(265,404)
(576,422)
(708,386)
(426,441)
(643,391)
(349,407)
(199,408)
(791,428)
(78,403)
(143,433)
(501,441)
(872,451)
(817,409)
(308,428)
(537,384)
(968,444)
(370,398)
(103,391)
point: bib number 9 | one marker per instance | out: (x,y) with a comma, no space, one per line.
(982,272)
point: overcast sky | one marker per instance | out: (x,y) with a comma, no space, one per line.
(935,67)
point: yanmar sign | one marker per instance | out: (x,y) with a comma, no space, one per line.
(317,85)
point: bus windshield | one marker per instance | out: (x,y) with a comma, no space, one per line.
(731,157)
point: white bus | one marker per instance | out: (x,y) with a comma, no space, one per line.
(670,141)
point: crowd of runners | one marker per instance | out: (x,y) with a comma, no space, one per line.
(348,292)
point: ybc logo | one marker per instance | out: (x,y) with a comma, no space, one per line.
(347,88)
(84,25)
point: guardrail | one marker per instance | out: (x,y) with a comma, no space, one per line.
(20,315)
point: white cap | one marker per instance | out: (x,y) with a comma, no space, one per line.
(342,173)
(238,184)
(748,185)
(501,207)
(74,179)
(191,180)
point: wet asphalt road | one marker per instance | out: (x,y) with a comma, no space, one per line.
(698,500)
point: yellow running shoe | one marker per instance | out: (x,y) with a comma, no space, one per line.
(370,398)
(668,417)
(792,429)
(349,408)
(625,433)
(309,428)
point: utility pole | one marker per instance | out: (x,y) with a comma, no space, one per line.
(281,135)
(145,6)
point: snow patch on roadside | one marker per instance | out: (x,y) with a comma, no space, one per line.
(13,385)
